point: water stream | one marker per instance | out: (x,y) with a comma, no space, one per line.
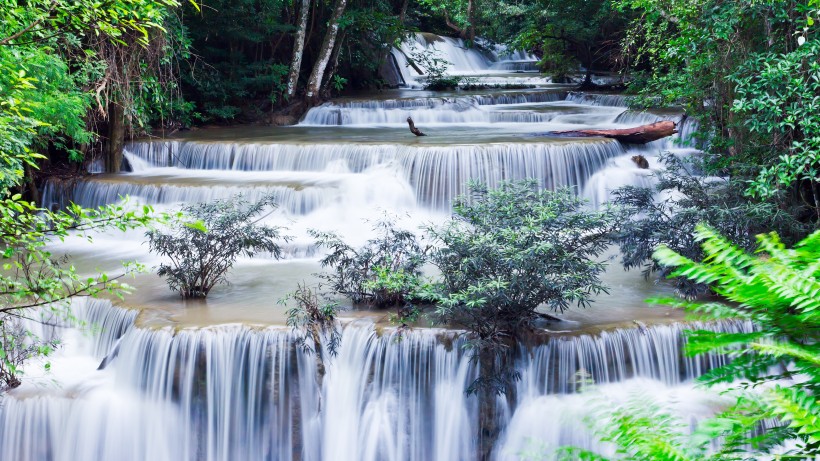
(224,380)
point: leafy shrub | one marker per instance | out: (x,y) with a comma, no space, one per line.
(204,244)
(667,214)
(777,289)
(313,315)
(508,250)
(385,272)
(313,320)
(17,345)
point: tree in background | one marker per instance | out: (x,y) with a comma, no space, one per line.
(110,59)
(568,35)
(748,72)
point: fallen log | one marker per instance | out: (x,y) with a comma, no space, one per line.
(413,128)
(639,135)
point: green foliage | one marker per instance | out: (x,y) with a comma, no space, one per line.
(204,243)
(748,72)
(567,34)
(435,67)
(384,272)
(49,70)
(510,249)
(36,284)
(775,370)
(313,317)
(777,97)
(17,345)
(666,214)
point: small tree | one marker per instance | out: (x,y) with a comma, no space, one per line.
(204,243)
(313,317)
(436,67)
(506,252)
(385,272)
(511,249)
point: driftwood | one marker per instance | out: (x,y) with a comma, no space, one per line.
(641,161)
(639,135)
(413,128)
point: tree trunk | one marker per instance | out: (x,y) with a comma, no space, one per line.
(116,138)
(413,128)
(471,19)
(298,50)
(403,11)
(461,32)
(315,82)
(34,192)
(487,406)
(639,135)
(334,64)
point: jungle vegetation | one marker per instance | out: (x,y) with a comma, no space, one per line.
(79,77)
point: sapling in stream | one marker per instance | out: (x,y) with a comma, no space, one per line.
(205,242)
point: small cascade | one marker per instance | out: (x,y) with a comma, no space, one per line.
(93,193)
(566,365)
(107,324)
(619,172)
(236,392)
(462,109)
(436,174)
(595,99)
(637,118)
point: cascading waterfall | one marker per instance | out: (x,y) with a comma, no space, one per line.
(436,174)
(246,391)
(237,392)
(462,60)
(594,99)
(462,109)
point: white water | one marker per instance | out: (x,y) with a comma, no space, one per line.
(484,60)
(208,389)
(234,392)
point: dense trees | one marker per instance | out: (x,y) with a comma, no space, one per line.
(55,69)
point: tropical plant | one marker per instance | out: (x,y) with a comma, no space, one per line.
(205,241)
(774,370)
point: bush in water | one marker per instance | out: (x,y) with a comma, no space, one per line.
(508,250)
(204,243)
(312,316)
(384,272)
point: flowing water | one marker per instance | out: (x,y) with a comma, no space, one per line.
(160,379)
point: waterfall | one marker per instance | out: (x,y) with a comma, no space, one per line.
(594,99)
(240,392)
(486,58)
(434,174)
(462,109)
